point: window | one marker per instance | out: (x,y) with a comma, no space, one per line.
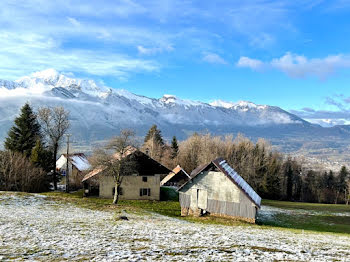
(145,191)
(144,179)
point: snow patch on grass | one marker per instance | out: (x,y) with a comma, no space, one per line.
(35,228)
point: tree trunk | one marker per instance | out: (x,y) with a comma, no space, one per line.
(116,190)
(336,197)
(54,175)
(116,193)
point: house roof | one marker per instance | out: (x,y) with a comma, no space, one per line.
(79,160)
(92,173)
(225,168)
(130,151)
(173,173)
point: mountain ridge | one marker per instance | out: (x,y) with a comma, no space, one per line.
(51,83)
(98,112)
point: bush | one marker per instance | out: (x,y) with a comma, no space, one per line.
(18,173)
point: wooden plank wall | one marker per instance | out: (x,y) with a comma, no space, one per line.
(185,200)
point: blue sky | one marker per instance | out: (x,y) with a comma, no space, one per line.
(292,54)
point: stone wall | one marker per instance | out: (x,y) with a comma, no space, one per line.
(130,187)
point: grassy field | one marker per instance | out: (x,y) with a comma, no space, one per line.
(307,206)
(281,214)
(307,216)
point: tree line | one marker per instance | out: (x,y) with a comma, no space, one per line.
(272,174)
(29,159)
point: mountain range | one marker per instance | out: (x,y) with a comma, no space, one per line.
(98,112)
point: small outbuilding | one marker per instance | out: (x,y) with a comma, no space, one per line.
(216,189)
(176,178)
(144,183)
(77,162)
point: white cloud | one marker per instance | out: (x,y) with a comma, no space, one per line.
(253,64)
(328,122)
(214,59)
(153,50)
(37,53)
(73,21)
(299,66)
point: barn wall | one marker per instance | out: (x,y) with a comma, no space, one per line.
(215,193)
(131,186)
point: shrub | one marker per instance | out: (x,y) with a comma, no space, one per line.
(18,173)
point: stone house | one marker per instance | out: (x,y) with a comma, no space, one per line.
(143,183)
(216,189)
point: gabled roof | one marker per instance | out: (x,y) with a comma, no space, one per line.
(173,173)
(129,153)
(79,160)
(224,167)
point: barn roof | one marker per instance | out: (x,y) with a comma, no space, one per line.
(225,168)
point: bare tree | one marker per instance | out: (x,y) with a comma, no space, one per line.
(117,164)
(54,123)
(17,173)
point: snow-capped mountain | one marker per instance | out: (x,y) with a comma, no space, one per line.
(98,112)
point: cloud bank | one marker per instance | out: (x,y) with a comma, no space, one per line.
(337,113)
(299,66)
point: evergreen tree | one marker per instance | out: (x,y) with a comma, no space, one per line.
(23,135)
(340,184)
(41,156)
(174,148)
(288,172)
(309,188)
(155,134)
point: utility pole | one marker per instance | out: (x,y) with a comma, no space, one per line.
(67,164)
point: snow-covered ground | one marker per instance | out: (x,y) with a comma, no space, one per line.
(35,228)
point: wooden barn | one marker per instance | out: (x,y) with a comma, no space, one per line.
(144,183)
(176,178)
(216,189)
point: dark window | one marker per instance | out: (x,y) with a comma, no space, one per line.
(145,191)
(144,179)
